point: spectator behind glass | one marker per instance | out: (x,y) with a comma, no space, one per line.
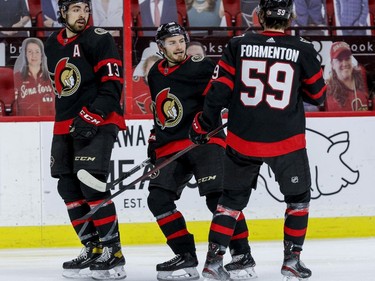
(205,13)
(196,48)
(346,86)
(152,16)
(33,89)
(14,13)
(50,11)
(310,13)
(352,13)
(108,13)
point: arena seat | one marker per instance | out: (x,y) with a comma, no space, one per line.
(2,109)
(136,15)
(232,11)
(331,19)
(35,10)
(371,7)
(182,13)
(7,96)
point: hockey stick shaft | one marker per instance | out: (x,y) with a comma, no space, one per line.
(91,181)
(145,176)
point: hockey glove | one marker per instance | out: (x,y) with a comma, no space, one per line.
(198,133)
(85,125)
(151,147)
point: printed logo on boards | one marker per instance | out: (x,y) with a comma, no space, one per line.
(335,176)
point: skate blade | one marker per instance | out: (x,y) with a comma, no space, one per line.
(243,274)
(77,273)
(294,278)
(213,279)
(189,273)
(115,273)
(209,275)
(210,279)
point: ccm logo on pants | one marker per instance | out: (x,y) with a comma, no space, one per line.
(84,158)
(209,178)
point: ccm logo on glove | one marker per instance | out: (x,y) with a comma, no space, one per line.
(90,117)
(85,125)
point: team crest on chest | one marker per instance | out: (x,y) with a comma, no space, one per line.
(100,31)
(168,109)
(197,58)
(66,79)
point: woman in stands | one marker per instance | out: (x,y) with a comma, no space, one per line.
(33,89)
(346,87)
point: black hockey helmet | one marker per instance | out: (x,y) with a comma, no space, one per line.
(64,6)
(276,9)
(169,30)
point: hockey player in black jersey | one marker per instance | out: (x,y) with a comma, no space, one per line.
(86,72)
(177,83)
(263,80)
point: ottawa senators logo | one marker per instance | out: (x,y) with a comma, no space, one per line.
(168,109)
(143,103)
(66,79)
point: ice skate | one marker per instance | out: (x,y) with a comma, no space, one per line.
(293,268)
(110,265)
(241,267)
(75,268)
(213,267)
(181,267)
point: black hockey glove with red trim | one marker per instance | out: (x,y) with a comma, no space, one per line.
(151,147)
(198,133)
(85,125)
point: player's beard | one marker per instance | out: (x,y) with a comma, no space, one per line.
(78,26)
(175,58)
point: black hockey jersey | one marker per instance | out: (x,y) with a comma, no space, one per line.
(176,94)
(263,80)
(86,71)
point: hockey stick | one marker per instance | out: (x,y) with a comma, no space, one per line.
(91,181)
(141,178)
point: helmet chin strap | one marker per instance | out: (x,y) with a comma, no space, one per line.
(68,27)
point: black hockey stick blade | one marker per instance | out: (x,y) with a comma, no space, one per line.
(145,176)
(91,181)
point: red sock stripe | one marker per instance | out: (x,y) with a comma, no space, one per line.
(178,234)
(242,235)
(298,212)
(170,218)
(222,229)
(105,220)
(241,217)
(94,203)
(295,232)
(78,222)
(75,204)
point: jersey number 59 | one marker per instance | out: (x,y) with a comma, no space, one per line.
(283,88)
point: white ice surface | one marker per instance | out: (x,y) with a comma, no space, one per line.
(329,260)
